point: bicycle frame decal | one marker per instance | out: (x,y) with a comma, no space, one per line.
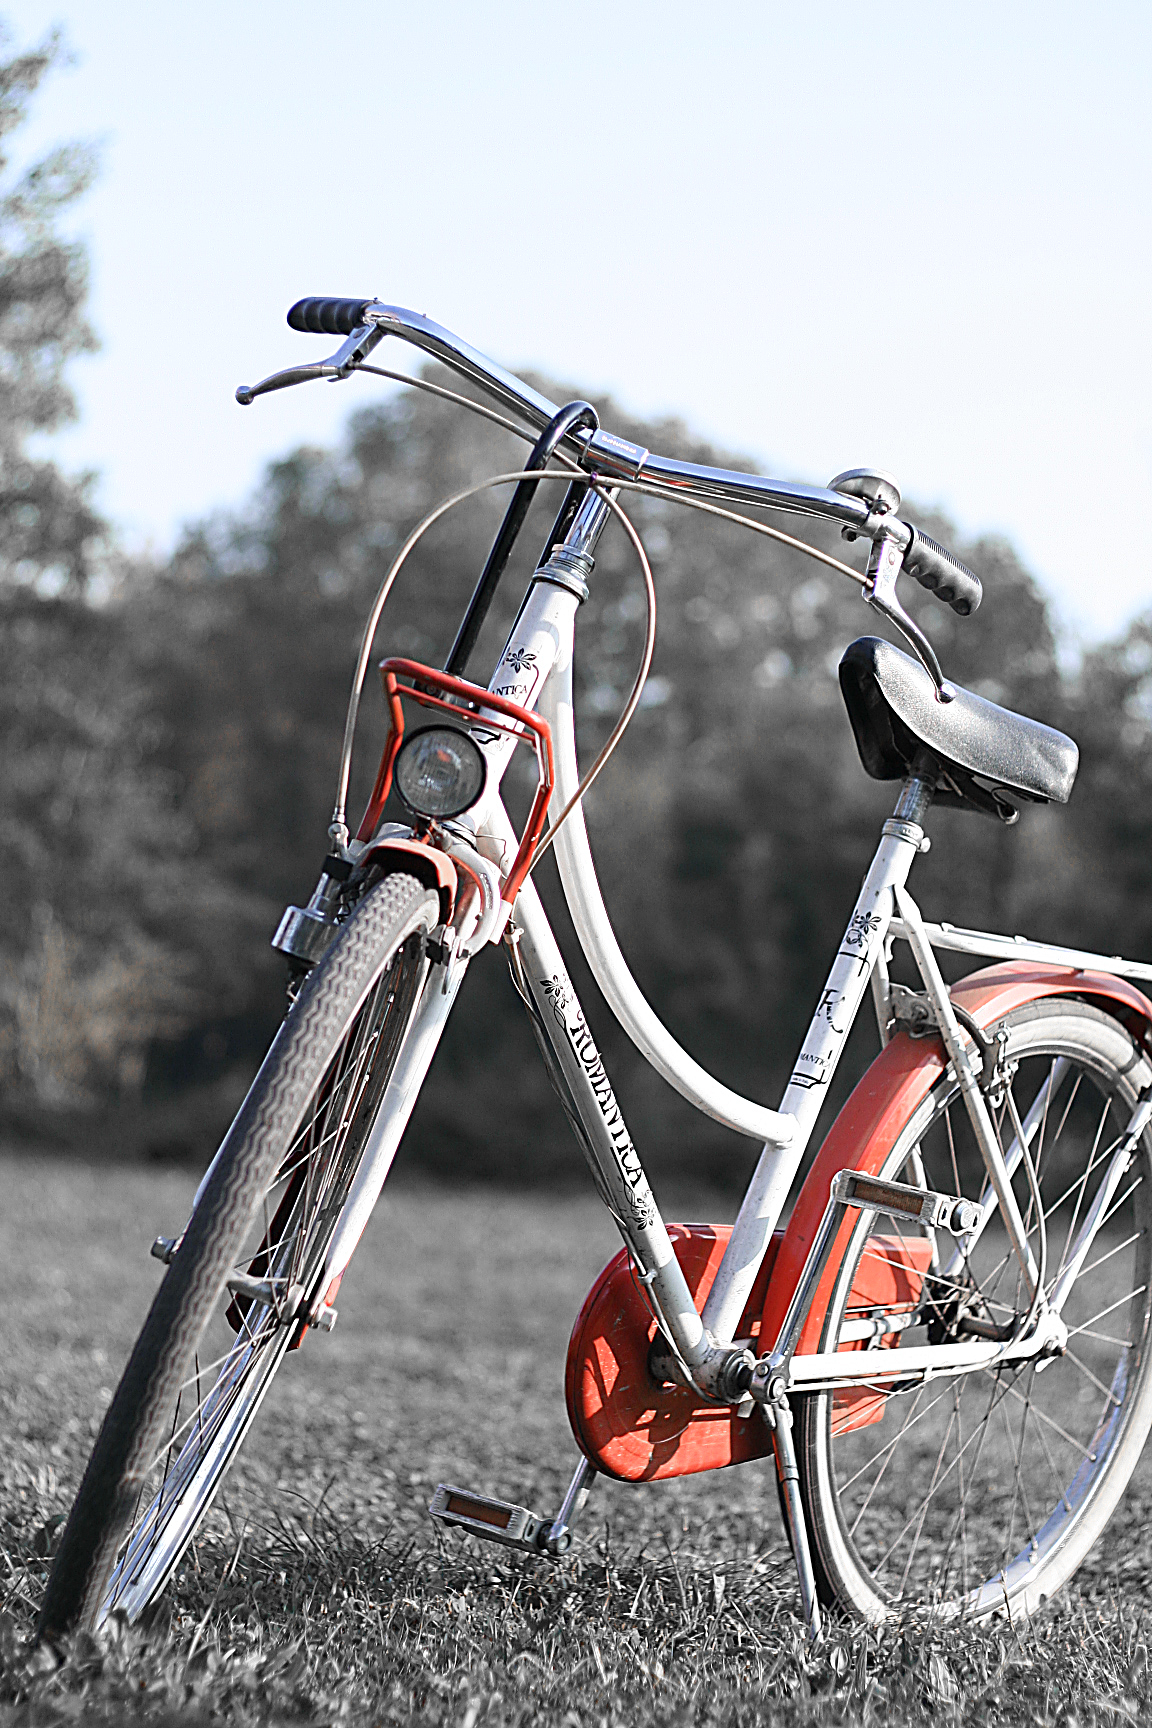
(569,1016)
(595,1114)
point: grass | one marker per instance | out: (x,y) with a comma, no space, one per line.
(320,1591)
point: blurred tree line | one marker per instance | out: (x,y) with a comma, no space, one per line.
(172,750)
(172,734)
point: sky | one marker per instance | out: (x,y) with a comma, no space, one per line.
(907,236)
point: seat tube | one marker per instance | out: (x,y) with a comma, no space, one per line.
(902,837)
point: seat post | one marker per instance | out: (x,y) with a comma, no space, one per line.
(918,790)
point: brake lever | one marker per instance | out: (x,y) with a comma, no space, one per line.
(884,566)
(345,360)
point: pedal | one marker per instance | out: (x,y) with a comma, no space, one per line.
(491,1520)
(902,1200)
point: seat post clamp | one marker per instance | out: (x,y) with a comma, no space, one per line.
(910,831)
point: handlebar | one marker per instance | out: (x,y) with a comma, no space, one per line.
(602,452)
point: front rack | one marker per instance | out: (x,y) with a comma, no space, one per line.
(431,688)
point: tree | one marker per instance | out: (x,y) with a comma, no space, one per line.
(171,754)
(49,531)
(91,855)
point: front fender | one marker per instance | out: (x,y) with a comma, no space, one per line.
(429,865)
(865,1131)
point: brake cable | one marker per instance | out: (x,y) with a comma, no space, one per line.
(338,828)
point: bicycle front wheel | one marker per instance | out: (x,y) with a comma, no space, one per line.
(981,1492)
(208,1351)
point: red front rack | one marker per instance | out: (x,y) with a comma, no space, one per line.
(431,689)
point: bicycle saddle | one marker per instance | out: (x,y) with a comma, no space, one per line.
(984,751)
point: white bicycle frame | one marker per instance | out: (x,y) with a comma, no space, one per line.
(535,671)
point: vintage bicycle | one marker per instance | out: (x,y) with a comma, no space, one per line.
(942,1338)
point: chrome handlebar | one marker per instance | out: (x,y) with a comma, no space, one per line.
(599,452)
(863,501)
(603,451)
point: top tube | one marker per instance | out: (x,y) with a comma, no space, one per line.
(601,451)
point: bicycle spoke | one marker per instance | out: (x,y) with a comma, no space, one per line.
(937,1484)
(928,1501)
(1061,1490)
(1119,1248)
(907,1424)
(1067,1109)
(889,1444)
(1044,1417)
(960,1523)
(1089,1167)
(1071,1356)
(1040,1148)
(1020,1489)
(1007,1258)
(1115,1207)
(186,1426)
(1104,1312)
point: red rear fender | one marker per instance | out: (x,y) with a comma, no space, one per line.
(900,1078)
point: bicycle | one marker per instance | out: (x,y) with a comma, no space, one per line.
(944,1345)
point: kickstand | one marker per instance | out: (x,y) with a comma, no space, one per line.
(778,1415)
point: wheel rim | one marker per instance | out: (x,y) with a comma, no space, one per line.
(292,1223)
(971,1491)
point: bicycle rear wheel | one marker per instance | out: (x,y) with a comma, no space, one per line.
(207,1354)
(978,1492)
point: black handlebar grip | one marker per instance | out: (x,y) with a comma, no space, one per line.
(948,579)
(328,317)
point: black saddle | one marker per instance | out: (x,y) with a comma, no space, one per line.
(984,752)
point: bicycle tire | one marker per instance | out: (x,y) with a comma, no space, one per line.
(269,1209)
(914,1501)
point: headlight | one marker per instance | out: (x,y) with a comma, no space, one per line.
(439,771)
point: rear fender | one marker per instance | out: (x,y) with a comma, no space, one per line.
(897,1082)
(430,866)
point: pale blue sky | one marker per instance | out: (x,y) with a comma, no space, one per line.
(914,236)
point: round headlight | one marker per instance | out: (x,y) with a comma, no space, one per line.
(439,771)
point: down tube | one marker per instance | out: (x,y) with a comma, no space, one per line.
(605,1137)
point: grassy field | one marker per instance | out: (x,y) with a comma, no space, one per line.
(321,1591)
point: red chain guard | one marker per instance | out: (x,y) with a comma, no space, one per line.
(889,1277)
(625,1424)
(633,1429)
